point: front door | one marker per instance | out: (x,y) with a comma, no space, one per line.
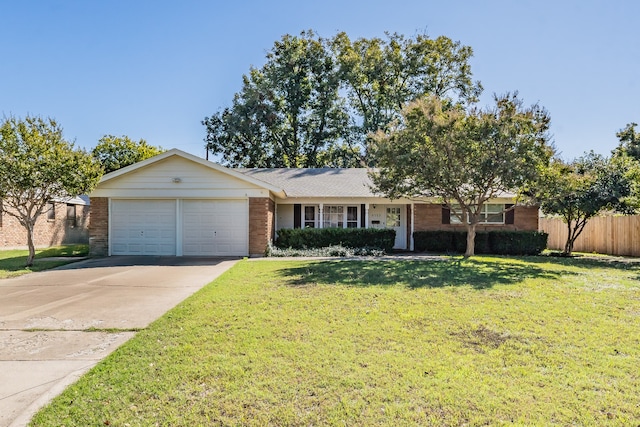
(395,221)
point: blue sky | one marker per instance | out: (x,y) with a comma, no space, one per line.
(155,69)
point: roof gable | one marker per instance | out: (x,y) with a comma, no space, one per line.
(179,166)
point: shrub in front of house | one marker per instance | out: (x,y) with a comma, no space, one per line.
(492,242)
(517,242)
(309,238)
(329,251)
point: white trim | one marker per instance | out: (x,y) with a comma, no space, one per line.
(248,234)
(366,215)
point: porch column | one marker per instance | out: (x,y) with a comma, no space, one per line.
(366,215)
(320,215)
(413,221)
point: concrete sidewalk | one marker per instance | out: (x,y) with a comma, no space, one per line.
(45,318)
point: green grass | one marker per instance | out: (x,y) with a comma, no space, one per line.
(490,341)
(12,262)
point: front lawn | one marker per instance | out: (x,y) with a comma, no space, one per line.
(524,341)
(12,262)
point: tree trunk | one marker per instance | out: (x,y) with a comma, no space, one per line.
(471,240)
(32,248)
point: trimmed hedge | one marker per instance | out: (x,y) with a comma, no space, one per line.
(308,238)
(492,242)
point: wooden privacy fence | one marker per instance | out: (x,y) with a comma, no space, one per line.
(613,235)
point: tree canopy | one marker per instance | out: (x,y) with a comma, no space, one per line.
(315,100)
(116,152)
(463,157)
(629,141)
(577,191)
(38,166)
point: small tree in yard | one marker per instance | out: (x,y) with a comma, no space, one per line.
(116,152)
(38,166)
(579,190)
(464,157)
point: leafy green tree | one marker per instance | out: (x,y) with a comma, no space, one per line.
(629,141)
(382,75)
(38,166)
(114,152)
(585,187)
(315,100)
(289,113)
(463,156)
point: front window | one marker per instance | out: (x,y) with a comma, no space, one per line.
(393,217)
(71,215)
(333,217)
(51,211)
(352,217)
(491,213)
(309,217)
(336,216)
(455,219)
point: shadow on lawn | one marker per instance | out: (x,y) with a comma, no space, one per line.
(481,274)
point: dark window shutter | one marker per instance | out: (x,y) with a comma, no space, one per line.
(509,216)
(363,217)
(446,215)
(297,216)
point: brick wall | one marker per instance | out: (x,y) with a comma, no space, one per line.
(428,217)
(261,224)
(526,218)
(47,232)
(99,227)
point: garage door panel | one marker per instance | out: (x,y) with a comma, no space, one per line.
(215,227)
(143,227)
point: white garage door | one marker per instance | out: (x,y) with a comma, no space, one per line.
(215,227)
(143,227)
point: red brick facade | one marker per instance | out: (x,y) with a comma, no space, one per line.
(50,230)
(429,218)
(99,227)
(261,224)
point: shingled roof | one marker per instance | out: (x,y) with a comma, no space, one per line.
(316,182)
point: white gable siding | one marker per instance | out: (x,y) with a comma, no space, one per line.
(195,181)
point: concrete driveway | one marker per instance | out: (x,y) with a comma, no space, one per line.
(45,320)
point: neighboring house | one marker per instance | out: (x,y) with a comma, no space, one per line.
(179,204)
(64,222)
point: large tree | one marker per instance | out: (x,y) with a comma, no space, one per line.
(38,166)
(381,76)
(577,191)
(463,156)
(116,152)
(315,100)
(289,113)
